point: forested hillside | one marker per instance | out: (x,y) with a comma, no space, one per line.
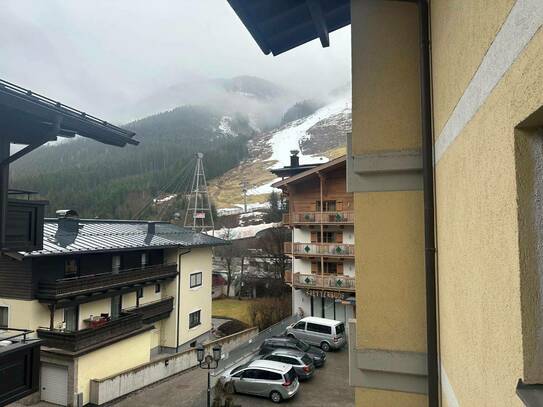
(110,182)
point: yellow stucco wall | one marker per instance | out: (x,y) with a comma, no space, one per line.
(462,31)
(115,358)
(389,252)
(195,299)
(26,314)
(385,102)
(479,275)
(102,306)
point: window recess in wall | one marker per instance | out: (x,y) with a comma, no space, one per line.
(195,280)
(194,319)
(528,138)
(4,316)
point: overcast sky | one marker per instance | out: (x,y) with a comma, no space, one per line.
(98,54)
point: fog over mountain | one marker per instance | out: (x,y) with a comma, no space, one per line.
(124,59)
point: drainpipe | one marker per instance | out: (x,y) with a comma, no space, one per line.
(429,204)
(178,299)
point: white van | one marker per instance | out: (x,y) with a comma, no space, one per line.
(325,333)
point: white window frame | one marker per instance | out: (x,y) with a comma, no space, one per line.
(198,286)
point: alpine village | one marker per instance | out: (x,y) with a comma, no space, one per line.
(308,202)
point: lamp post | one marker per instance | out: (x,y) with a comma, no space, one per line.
(208,362)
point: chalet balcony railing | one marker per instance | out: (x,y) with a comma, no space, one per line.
(325,282)
(74,341)
(69,287)
(320,249)
(329,218)
(153,311)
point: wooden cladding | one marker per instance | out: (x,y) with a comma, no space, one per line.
(15,278)
(153,311)
(24,225)
(325,218)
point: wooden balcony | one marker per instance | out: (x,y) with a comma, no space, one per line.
(318,218)
(83,285)
(324,282)
(153,311)
(332,250)
(74,341)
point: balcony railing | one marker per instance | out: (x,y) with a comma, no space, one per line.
(73,286)
(153,311)
(325,282)
(320,249)
(74,341)
(327,218)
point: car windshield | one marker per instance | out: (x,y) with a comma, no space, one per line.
(302,346)
(306,359)
(238,368)
(290,375)
(340,329)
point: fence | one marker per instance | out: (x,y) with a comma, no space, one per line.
(112,387)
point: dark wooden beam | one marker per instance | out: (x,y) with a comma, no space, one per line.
(317,15)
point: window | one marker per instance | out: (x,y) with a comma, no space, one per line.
(157,288)
(143,260)
(322,329)
(70,318)
(267,375)
(328,206)
(70,267)
(329,268)
(4,317)
(139,293)
(115,264)
(116,306)
(194,319)
(195,280)
(300,325)
(250,374)
(340,329)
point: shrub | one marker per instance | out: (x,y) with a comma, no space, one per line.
(268,311)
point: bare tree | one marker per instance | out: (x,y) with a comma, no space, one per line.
(271,243)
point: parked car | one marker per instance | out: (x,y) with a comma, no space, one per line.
(301,362)
(270,344)
(265,378)
(325,333)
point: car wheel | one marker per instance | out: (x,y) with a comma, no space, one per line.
(290,336)
(276,397)
(325,346)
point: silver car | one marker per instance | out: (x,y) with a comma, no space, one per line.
(326,333)
(301,362)
(265,378)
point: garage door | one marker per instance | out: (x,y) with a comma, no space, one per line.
(54,384)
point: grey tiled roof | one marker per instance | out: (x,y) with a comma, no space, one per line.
(67,236)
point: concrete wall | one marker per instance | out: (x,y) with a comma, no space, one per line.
(389,224)
(109,388)
(117,357)
(488,78)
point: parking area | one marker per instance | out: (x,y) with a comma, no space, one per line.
(329,387)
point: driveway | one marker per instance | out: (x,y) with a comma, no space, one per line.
(329,387)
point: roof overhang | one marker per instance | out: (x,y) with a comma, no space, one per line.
(323,168)
(280,25)
(33,119)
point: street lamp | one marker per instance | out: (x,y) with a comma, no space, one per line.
(208,362)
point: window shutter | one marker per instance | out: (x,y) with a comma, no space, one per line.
(314,237)
(314,267)
(339,205)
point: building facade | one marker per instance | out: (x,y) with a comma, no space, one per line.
(106,296)
(445,166)
(321,218)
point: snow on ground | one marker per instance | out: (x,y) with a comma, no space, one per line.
(239,208)
(289,137)
(263,189)
(165,199)
(242,232)
(224,126)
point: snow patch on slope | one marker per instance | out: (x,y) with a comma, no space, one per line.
(242,232)
(289,137)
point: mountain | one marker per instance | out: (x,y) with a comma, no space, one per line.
(319,136)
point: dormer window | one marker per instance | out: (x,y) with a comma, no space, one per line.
(71,268)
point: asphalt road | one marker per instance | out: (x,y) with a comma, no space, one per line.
(329,387)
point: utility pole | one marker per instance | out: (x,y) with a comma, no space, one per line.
(244,189)
(198,215)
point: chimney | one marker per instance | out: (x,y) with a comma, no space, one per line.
(68,220)
(294,159)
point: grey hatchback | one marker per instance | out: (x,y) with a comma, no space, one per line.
(266,378)
(301,362)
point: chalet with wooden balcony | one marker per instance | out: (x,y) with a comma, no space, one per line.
(321,217)
(105,296)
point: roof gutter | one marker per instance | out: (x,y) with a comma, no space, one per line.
(429,204)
